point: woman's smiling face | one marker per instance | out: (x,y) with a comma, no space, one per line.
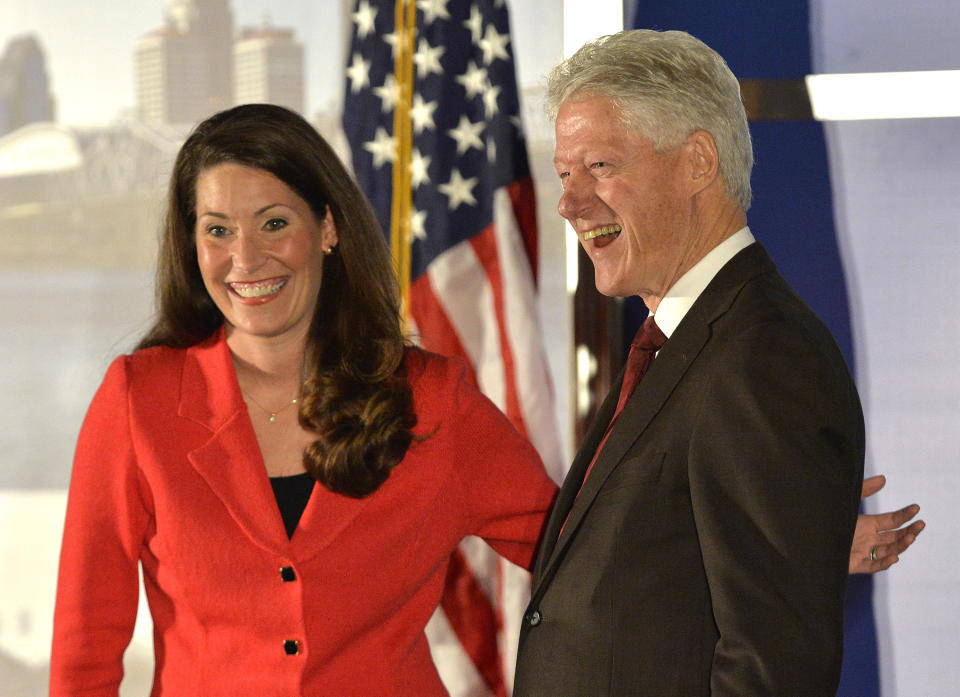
(260,251)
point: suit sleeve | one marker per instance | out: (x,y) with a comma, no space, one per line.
(499,487)
(776,460)
(106,522)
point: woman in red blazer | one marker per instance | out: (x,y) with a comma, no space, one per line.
(277,361)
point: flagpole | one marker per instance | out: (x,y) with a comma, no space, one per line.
(406,27)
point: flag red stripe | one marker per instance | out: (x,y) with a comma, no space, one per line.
(485,247)
(471,614)
(437,332)
(523,198)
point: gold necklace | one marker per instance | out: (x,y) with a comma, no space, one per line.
(271,415)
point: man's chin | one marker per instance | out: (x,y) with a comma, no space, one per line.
(610,289)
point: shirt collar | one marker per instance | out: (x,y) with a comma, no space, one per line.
(684,293)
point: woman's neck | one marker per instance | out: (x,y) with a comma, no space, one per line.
(269,372)
(276,360)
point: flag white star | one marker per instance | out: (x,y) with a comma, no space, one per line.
(433,9)
(458,190)
(359,73)
(490,95)
(467,134)
(474,81)
(383,147)
(428,59)
(418,168)
(389,93)
(491,150)
(418,224)
(494,45)
(475,24)
(364,18)
(392,40)
(421,113)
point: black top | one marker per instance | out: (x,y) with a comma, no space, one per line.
(292,495)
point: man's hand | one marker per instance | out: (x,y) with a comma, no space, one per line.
(879,540)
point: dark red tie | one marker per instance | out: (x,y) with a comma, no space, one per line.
(648,340)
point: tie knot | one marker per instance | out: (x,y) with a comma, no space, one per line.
(648,337)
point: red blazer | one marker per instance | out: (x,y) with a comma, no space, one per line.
(167,473)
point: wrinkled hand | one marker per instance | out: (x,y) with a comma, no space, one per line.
(882,532)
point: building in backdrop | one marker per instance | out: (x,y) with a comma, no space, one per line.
(24,88)
(82,198)
(197,63)
(268,67)
(170,79)
(210,24)
(66,191)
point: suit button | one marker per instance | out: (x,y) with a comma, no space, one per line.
(534,618)
(291,647)
(288,574)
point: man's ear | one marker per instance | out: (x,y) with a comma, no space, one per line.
(704,161)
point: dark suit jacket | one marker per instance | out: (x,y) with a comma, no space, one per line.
(707,553)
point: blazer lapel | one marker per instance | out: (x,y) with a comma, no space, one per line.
(231,464)
(664,374)
(326,516)
(230,461)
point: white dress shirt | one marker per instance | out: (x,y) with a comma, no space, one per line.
(682,294)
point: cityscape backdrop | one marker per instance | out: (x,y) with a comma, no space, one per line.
(89,46)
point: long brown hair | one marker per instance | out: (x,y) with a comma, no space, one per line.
(356,396)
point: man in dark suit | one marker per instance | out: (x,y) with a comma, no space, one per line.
(699,545)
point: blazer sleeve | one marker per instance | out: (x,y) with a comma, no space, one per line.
(106,521)
(498,487)
(775,470)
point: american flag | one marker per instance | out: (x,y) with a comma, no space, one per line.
(456,189)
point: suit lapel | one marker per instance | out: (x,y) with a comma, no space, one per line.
(646,401)
(571,483)
(680,351)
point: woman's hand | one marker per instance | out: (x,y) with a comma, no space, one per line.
(879,540)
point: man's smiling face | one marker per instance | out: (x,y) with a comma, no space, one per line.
(629,204)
